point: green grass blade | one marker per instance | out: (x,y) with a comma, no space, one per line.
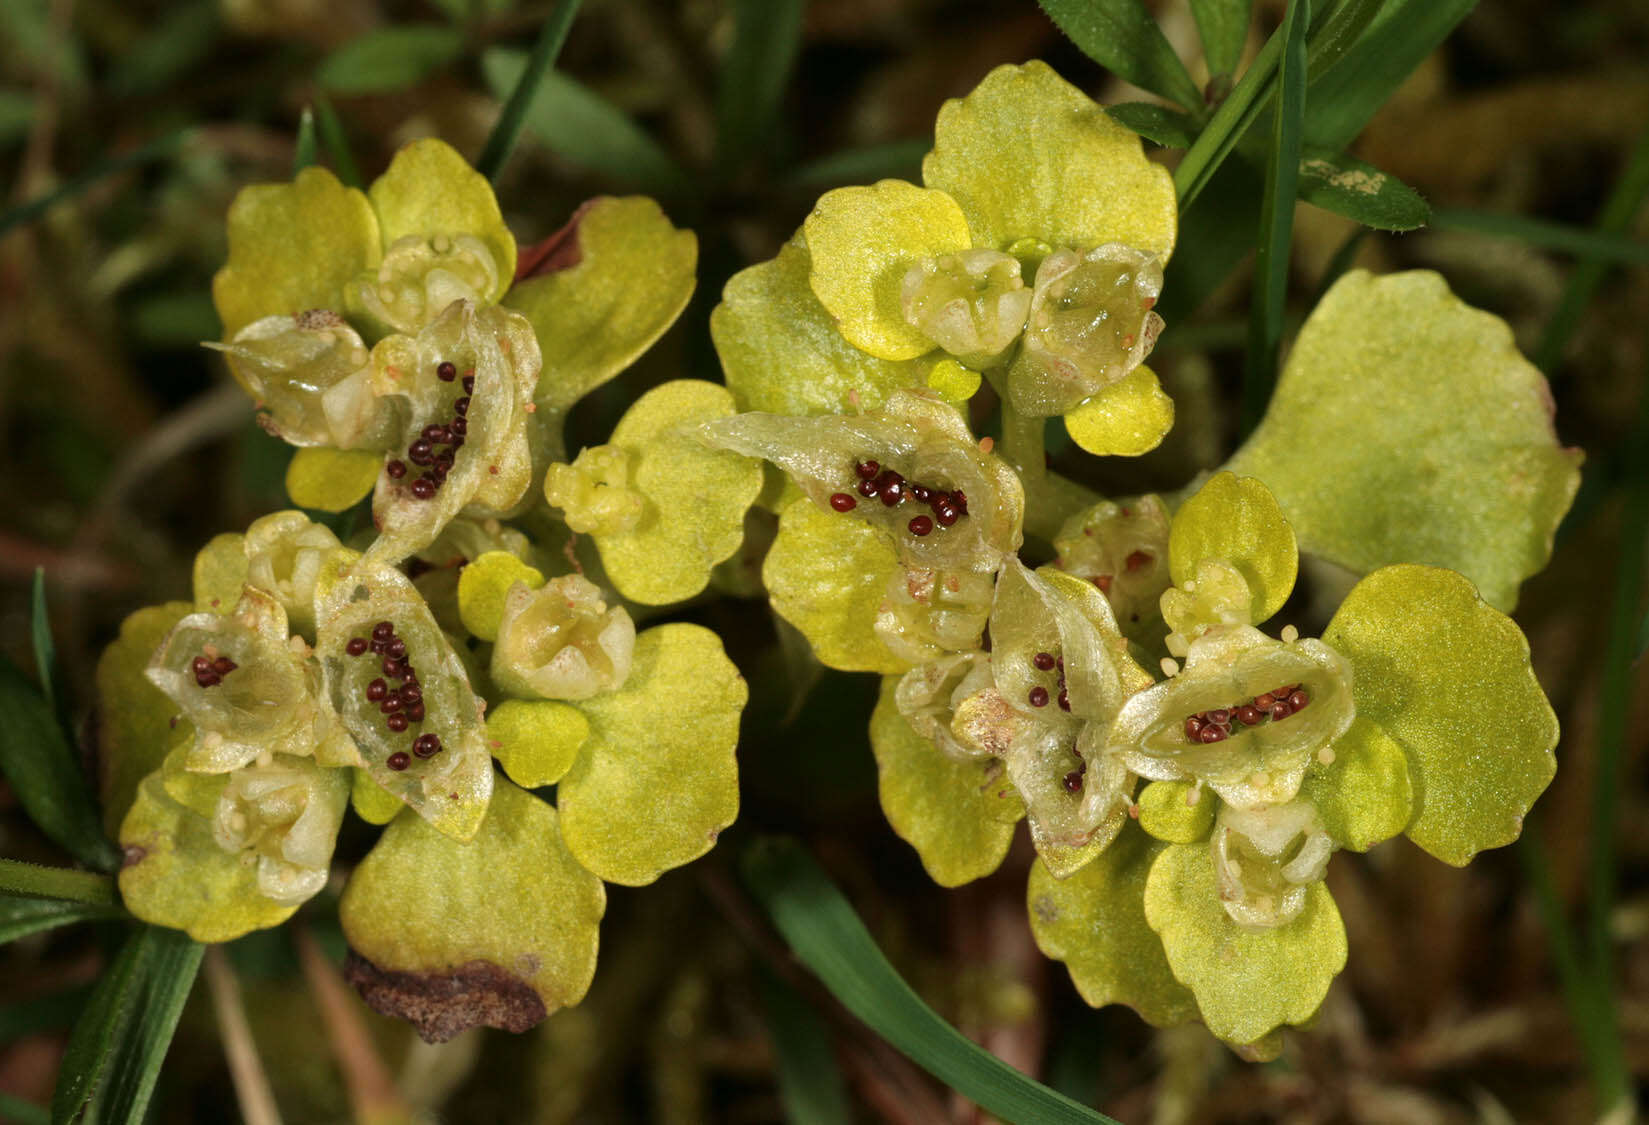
(810,1082)
(828,936)
(40,632)
(1121,36)
(1610,248)
(1582,286)
(20,1112)
(1223,26)
(66,884)
(1359,191)
(20,917)
(1344,97)
(898,159)
(303,151)
(767,36)
(1265,321)
(157,149)
(389,59)
(1166,127)
(502,140)
(43,772)
(99,1029)
(135,1066)
(337,143)
(586,128)
(1231,120)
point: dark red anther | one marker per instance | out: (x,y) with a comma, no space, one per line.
(1281,709)
(424,487)
(415,711)
(919,525)
(420,451)
(399,760)
(1136,560)
(1219,716)
(945,514)
(356,646)
(1212,733)
(891,487)
(1038,696)
(1064,700)
(396,469)
(461,405)
(223,666)
(435,433)
(1193,728)
(410,692)
(842,502)
(1044,661)
(1248,714)
(1073,781)
(446,371)
(427,745)
(458,427)
(393,668)
(921,493)
(396,648)
(869,489)
(1297,699)
(396,722)
(867,470)
(1264,701)
(376,690)
(200,664)
(469,384)
(391,703)
(208,678)
(383,631)
(959,501)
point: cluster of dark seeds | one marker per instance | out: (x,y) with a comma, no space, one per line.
(892,489)
(1215,725)
(1039,696)
(210,669)
(402,705)
(425,449)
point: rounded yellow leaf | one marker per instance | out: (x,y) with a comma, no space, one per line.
(1237,519)
(863,241)
(482,586)
(371,801)
(536,740)
(331,480)
(1126,419)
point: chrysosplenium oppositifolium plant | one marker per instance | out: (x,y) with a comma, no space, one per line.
(1183,820)
(401,341)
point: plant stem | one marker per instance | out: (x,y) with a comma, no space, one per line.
(504,135)
(257,1101)
(35,881)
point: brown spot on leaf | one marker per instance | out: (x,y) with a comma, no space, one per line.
(560,251)
(440,1005)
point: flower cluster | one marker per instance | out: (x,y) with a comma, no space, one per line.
(1183,821)
(432,670)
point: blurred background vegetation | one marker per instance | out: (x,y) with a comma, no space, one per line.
(125,449)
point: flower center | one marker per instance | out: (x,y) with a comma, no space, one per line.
(427,449)
(210,667)
(402,705)
(1215,724)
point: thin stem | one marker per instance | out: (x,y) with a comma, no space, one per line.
(1578,991)
(504,135)
(35,881)
(257,1100)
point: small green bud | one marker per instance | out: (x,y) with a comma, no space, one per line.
(927,697)
(1122,548)
(284,555)
(1090,324)
(286,813)
(973,304)
(930,612)
(954,383)
(421,275)
(594,492)
(1265,858)
(562,641)
(1216,594)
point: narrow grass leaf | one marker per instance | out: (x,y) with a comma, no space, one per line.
(1223,26)
(1121,36)
(1265,322)
(586,128)
(1543,235)
(303,149)
(501,142)
(892,159)
(1239,110)
(156,149)
(20,917)
(828,936)
(1618,212)
(62,883)
(1359,191)
(1335,30)
(20,1112)
(135,1064)
(767,35)
(1166,127)
(389,59)
(336,140)
(40,632)
(810,1082)
(1371,67)
(102,1024)
(37,761)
